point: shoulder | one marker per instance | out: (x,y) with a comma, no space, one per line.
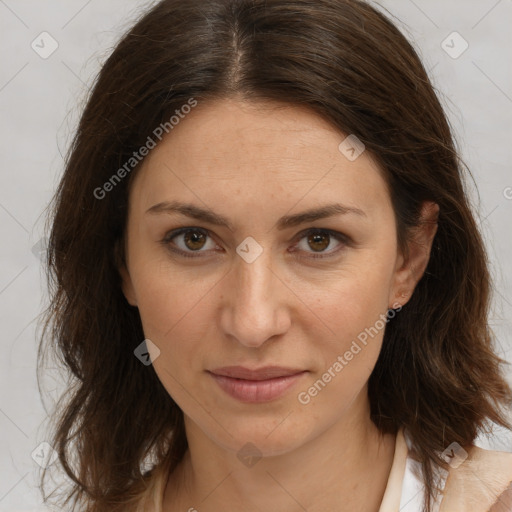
(481,481)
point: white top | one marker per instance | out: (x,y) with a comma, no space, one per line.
(478,481)
(405,488)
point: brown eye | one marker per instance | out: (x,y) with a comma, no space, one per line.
(190,242)
(319,241)
(187,241)
(194,240)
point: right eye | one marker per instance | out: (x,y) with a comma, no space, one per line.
(190,240)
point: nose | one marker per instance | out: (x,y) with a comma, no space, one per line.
(255,307)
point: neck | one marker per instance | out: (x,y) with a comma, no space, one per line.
(346,468)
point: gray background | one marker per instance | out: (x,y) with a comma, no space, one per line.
(40,100)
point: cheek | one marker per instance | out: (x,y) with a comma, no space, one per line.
(177,322)
(177,315)
(347,301)
(349,323)
(169,298)
(357,323)
(348,352)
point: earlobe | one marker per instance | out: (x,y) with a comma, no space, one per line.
(411,269)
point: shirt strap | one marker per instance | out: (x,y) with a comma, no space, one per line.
(393,492)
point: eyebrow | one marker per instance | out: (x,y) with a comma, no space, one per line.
(287,221)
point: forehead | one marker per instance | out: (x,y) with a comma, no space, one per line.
(256,151)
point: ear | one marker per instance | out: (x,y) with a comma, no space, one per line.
(411,267)
(126,280)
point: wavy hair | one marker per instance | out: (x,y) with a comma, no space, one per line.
(438,374)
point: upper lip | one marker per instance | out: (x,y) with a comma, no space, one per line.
(264,373)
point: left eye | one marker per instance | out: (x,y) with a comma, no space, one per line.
(320,239)
(192,240)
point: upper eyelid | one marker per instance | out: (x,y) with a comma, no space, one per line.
(341,237)
(179,231)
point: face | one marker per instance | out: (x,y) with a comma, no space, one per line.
(258,283)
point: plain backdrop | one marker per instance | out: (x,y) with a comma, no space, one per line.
(465,44)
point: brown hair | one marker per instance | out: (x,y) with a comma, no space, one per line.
(437,374)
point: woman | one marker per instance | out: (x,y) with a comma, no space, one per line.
(267,278)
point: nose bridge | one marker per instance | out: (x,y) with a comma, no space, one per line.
(254,310)
(254,279)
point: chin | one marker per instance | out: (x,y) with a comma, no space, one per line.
(267,437)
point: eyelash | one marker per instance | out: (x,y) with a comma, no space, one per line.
(340,237)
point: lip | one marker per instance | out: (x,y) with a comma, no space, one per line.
(258,385)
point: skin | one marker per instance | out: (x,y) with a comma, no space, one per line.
(253,163)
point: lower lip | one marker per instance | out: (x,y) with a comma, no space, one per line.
(256,391)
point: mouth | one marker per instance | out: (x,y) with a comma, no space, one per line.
(258,385)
